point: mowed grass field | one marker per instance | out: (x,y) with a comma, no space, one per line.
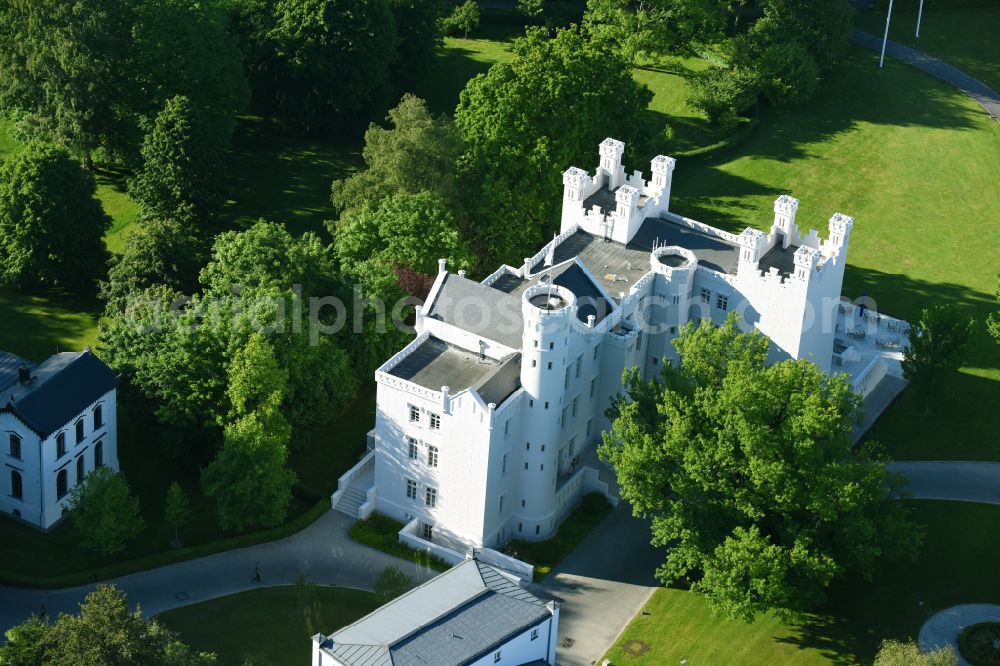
(271,625)
(956,565)
(964,37)
(917,163)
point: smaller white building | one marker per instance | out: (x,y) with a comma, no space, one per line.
(473,614)
(58,422)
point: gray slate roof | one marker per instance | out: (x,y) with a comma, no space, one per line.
(9,364)
(453,619)
(61,387)
(617,267)
(435,363)
(479,309)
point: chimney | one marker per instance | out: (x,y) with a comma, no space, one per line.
(24,374)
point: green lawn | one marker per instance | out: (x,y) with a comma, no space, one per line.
(966,38)
(546,555)
(382,533)
(274,625)
(956,565)
(917,164)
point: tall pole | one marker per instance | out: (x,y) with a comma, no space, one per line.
(885,37)
(920,13)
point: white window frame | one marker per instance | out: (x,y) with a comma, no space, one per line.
(413,450)
(414,414)
(411,489)
(435,421)
(430,497)
(433,456)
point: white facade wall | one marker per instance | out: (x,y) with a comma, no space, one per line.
(40,464)
(522,649)
(570,370)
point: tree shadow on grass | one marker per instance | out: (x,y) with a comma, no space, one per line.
(284,179)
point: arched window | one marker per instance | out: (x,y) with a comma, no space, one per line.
(98,455)
(98,417)
(79,470)
(15,446)
(61,483)
(16,485)
(60,445)
(79,431)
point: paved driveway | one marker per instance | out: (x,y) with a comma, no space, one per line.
(601,585)
(952,480)
(323,552)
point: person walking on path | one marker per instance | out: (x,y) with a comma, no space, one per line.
(256,574)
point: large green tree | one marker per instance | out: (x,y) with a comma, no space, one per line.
(526,121)
(104,511)
(62,63)
(183,164)
(51,225)
(417,153)
(159,251)
(748,473)
(106,631)
(403,231)
(650,29)
(92,73)
(318,63)
(938,345)
(184,48)
(249,479)
(418,36)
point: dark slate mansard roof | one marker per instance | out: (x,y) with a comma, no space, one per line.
(458,617)
(60,388)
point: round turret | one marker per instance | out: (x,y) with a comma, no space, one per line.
(669,258)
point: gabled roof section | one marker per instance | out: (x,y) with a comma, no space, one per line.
(60,388)
(465,612)
(479,309)
(9,366)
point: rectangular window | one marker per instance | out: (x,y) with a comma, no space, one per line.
(525,465)
(15,447)
(534,634)
(435,422)
(60,445)
(412,448)
(595,351)
(593,386)
(543,448)
(590,423)
(550,365)
(431,497)
(414,414)
(538,528)
(534,363)
(411,489)
(16,485)
(98,417)
(497,656)
(432,456)
(501,505)
(579,365)
(79,431)
(503,466)
(638,339)
(722,302)
(677,300)
(706,296)
(576,402)
(61,483)
(428,532)
(506,428)
(566,379)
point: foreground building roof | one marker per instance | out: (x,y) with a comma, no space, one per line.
(455,618)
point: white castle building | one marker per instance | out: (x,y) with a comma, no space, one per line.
(59,423)
(486,423)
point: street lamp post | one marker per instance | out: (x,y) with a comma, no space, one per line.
(885,37)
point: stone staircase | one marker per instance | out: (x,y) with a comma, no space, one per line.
(353,487)
(351,501)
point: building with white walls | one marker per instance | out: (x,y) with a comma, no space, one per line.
(486,421)
(472,614)
(58,421)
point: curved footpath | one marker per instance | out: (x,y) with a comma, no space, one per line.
(988,98)
(323,552)
(944,628)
